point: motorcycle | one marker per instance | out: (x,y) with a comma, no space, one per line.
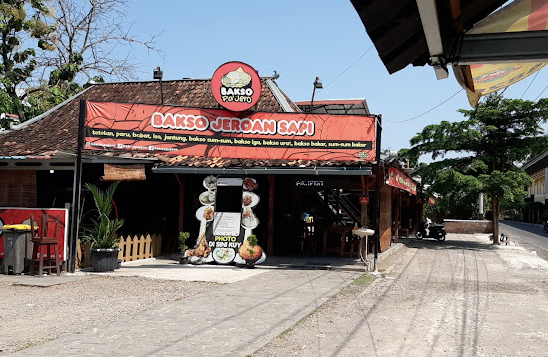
(431,230)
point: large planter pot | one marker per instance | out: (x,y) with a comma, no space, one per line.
(104,259)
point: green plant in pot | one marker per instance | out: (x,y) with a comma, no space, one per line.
(183,236)
(102,236)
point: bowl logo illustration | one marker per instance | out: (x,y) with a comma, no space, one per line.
(236,86)
(236,79)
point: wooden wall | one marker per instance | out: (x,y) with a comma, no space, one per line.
(386,217)
(17,188)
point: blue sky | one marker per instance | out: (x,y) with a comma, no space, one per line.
(301,40)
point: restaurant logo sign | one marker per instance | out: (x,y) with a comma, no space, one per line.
(236,86)
(309,183)
(398,179)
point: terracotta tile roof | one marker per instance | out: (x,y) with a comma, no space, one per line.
(218,162)
(58,131)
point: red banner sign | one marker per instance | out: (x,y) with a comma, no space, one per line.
(15,216)
(171,130)
(398,179)
(236,86)
(364,199)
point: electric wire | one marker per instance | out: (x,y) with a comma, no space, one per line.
(426,112)
(529,86)
(540,93)
(347,68)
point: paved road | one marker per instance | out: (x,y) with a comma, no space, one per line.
(461,297)
(530,236)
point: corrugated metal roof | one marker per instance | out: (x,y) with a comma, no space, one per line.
(336,106)
(396,30)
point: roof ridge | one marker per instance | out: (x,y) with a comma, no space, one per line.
(170,80)
(46,113)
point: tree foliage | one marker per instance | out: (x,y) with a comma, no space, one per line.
(93,38)
(68,43)
(458,193)
(489,145)
(21,25)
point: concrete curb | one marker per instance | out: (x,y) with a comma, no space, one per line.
(357,266)
(391,251)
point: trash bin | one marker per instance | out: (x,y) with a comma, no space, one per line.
(17,251)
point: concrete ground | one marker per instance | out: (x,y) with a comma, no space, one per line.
(461,297)
(252,308)
(233,320)
(169,268)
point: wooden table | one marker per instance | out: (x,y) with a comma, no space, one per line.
(338,229)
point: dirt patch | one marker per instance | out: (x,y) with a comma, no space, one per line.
(31,315)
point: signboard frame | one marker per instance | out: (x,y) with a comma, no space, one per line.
(171,130)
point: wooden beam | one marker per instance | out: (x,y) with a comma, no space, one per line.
(365,191)
(181,180)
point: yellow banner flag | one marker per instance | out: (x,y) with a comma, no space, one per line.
(521,15)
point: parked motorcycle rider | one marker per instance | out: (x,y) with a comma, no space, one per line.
(427,223)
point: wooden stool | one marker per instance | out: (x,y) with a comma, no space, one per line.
(404,232)
(40,238)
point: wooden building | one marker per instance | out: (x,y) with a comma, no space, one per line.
(307,206)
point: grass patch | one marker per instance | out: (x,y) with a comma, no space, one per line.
(363,280)
(32,344)
(358,284)
(295,326)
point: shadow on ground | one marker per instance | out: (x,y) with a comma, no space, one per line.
(528,227)
(453,243)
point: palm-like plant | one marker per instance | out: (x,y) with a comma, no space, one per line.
(103,234)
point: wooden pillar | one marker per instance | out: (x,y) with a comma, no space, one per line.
(365,191)
(385,217)
(418,215)
(338,206)
(181,180)
(397,197)
(271,192)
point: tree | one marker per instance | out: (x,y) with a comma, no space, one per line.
(497,136)
(79,41)
(18,28)
(90,40)
(457,194)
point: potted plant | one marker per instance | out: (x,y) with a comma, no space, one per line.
(102,236)
(183,236)
(250,251)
